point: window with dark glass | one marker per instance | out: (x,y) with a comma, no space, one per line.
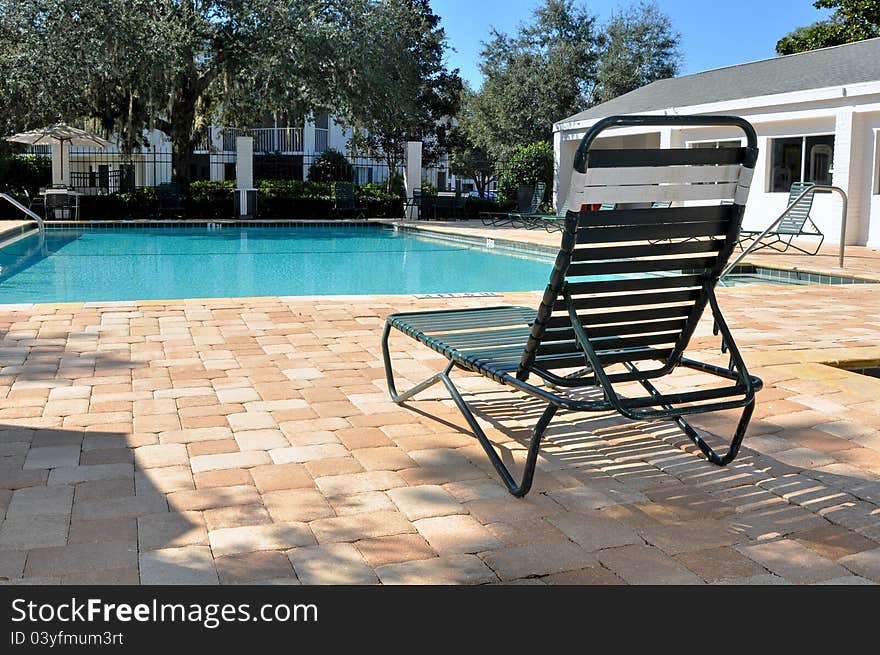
(800,159)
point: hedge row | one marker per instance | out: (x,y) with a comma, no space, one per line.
(24,173)
(293,199)
(276,200)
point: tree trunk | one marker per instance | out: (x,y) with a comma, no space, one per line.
(182,120)
(391,162)
(480,182)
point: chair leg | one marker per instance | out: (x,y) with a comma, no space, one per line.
(518,489)
(688,429)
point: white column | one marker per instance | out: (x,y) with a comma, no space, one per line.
(413,172)
(309,137)
(244,162)
(244,172)
(558,187)
(59,151)
(848,175)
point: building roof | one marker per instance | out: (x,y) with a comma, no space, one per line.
(844,64)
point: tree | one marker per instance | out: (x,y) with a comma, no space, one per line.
(331,166)
(398,88)
(544,72)
(639,46)
(561,63)
(176,65)
(528,165)
(466,157)
(852,20)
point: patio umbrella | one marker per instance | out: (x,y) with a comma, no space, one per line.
(59,132)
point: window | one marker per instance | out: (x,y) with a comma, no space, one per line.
(363,174)
(800,159)
(322,132)
(714,144)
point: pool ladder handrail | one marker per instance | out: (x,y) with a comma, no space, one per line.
(769,228)
(31,214)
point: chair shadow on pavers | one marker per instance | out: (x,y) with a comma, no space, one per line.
(78,506)
(777,508)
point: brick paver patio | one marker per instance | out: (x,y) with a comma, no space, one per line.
(252,440)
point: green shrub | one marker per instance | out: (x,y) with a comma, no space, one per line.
(289,207)
(528,165)
(377,200)
(331,166)
(294,189)
(398,188)
(20,173)
(210,199)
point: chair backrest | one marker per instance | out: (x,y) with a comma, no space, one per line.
(537,197)
(793,222)
(639,279)
(563,208)
(59,200)
(530,197)
(343,195)
(169,195)
(524,195)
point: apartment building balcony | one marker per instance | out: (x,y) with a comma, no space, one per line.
(266,139)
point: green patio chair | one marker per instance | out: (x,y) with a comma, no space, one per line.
(617,309)
(797,223)
(550,222)
(344,201)
(170,199)
(530,203)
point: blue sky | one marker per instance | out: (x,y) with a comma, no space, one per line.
(714,33)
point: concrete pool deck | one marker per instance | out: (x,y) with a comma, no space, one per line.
(252,440)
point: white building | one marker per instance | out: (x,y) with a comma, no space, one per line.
(281,151)
(817,115)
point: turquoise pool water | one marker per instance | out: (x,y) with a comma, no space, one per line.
(194,262)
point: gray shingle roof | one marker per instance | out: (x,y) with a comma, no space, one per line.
(846,64)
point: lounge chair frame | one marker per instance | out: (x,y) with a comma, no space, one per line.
(509,219)
(486,340)
(790,228)
(344,201)
(170,199)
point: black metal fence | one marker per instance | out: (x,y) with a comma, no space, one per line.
(102,172)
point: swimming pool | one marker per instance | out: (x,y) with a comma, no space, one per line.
(152,263)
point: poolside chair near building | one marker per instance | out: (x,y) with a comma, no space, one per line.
(170,201)
(529,203)
(549,222)
(615,303)
(794,225)
(344,201)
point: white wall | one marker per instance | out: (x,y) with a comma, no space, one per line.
(855,123)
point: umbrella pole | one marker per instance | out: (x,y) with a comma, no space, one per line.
(61,154)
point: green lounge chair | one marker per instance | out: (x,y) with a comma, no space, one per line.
(550,222)
(170,200)
(797,223)
(344,202)
(424,204)
(502,219)
(615,305)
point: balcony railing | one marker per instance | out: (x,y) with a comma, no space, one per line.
(322,139)
(266,139)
